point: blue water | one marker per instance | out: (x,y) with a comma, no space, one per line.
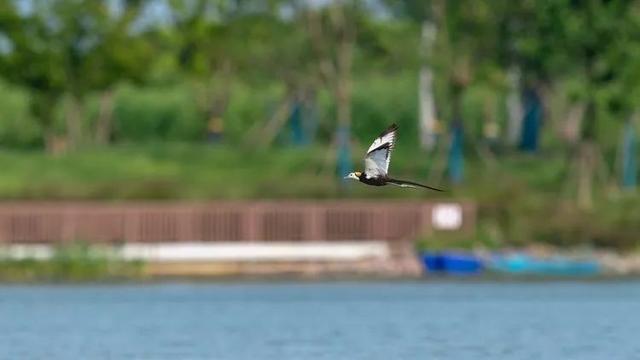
(559,320)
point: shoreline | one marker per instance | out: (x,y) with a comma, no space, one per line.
(333,279)
(364,261)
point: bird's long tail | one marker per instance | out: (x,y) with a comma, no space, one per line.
(411,184)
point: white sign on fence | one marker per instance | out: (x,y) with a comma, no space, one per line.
(447,217)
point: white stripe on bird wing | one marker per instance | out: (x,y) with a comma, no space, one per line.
(387,138)
(376,163)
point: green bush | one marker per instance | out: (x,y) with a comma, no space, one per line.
(18,129)
(615,223)
(71,262)
(152,114)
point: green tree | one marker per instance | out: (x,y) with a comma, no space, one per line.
(74,48)
(588,44)
(32,60)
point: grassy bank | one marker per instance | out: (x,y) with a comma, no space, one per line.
(521,199)
(185,171)
(70,263)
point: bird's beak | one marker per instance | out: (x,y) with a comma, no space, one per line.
(346,177)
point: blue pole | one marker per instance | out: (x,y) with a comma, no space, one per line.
(629,164)
(455,163)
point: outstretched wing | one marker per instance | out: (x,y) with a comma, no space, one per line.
(376,162)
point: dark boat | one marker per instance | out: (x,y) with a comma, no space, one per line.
(453,263)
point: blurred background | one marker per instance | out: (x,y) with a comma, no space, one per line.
(194,139)
(526,109)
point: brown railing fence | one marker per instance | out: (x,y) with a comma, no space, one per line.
(218,221)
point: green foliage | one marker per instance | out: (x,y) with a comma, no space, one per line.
(375,107)
(61,47)
(520,201)
(185,171)
(614,224)
(150,114)
(239,61)
(156,114)
(249,109)
(18,129)
(483,239)
(243,58)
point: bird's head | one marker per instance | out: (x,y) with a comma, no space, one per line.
(354,175)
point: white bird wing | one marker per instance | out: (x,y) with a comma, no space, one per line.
(376,162)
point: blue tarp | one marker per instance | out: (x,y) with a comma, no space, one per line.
(303,122)
(629,165)
(532,121)
(298,135)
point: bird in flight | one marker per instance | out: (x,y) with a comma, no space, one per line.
(376,163)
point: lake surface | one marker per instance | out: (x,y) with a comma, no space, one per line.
(422,320)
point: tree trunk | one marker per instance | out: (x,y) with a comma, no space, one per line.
(335,69)
(343,91)
(514,108)
(571,134)
(104,123)
(74,122)
(217,97)
(269,132)
(49,141)
(586,170)
(573,124)
(343,75)
(427,110)
(587,159)
(42,106)
(343,99)
(627,155)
